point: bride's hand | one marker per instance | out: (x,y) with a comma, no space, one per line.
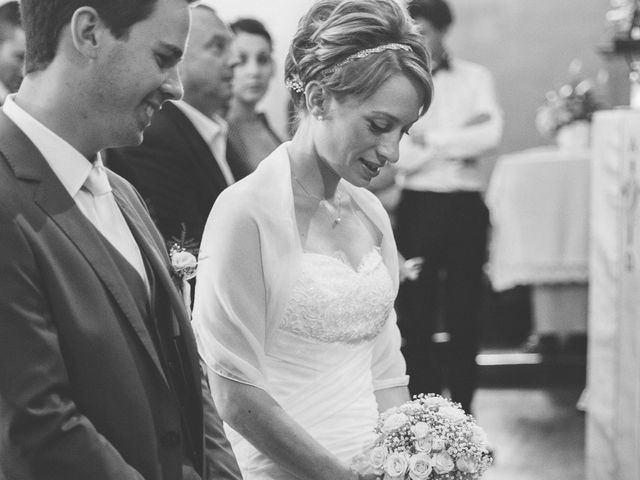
(410,269)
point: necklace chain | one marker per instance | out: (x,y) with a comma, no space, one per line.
(338,218)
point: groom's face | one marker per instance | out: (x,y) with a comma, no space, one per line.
(136,73)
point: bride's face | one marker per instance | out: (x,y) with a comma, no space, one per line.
(357,138)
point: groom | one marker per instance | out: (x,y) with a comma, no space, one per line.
(99,374)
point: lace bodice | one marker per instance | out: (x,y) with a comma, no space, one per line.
(333,302)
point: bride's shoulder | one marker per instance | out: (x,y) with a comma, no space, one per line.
(264,188)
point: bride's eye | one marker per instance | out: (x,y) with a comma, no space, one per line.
(378,127)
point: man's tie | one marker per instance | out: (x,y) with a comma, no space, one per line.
(107,218)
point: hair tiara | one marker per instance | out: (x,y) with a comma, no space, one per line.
(293,82)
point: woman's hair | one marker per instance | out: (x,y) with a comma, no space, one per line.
(333,31)
(252,26)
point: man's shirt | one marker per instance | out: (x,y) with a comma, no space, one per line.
(464,122)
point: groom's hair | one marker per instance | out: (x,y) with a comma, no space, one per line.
(43,20)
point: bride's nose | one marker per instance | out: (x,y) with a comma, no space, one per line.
(387,149)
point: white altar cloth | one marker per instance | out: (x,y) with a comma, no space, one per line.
(539,205)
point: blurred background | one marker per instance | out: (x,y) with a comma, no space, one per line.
(532,396)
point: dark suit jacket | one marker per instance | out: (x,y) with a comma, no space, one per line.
(83,392)
(175,172)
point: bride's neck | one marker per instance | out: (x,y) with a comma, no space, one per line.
(309,168)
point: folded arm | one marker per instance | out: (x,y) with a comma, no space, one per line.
(476,133)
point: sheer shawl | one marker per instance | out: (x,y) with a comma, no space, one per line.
(249,259)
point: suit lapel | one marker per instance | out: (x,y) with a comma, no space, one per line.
(159,263)
(50,195)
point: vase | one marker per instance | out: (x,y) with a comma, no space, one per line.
(574,136)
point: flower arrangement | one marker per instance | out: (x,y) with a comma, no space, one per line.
(184,264)
(574,101)
(183,268)
(621,19)
(428,438)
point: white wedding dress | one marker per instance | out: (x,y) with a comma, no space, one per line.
(319,366)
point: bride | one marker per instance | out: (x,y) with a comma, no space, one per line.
(298,271)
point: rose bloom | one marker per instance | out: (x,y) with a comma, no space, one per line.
(437,444)
(396,464)
(425,444)
(361,464)
(478,436)
(394,422)
(377,457)
(467,464)
(184,263)
(183,259)
(420,466)
(434,401)
(412,408)
(420,430)
(442,463)
(452,413)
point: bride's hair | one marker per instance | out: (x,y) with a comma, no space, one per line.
(333,31)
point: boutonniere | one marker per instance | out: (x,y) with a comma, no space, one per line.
(183,254)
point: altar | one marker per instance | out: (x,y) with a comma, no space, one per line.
(539,205)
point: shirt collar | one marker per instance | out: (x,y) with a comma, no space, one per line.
(69,165)
(208,128)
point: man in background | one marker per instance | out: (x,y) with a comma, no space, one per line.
(442,217)
(100,374)
(184,161)
(12,45)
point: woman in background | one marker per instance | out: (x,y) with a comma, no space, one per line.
(299,268)
(249,131)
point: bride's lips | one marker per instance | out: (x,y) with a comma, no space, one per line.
(373,168)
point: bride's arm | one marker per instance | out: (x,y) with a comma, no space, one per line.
(256,415)
(391,397)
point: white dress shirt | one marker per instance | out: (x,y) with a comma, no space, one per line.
(443,147)
(72,169)
(214,131)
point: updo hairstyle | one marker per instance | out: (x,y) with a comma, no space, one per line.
(332,30)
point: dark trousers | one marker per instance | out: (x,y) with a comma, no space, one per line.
(450,231)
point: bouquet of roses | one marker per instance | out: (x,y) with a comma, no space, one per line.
(428,438)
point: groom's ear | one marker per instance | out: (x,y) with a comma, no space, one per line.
(88,32)
(316,99)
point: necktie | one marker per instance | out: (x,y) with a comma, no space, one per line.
(107,218)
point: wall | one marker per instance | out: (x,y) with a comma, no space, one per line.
(528,45)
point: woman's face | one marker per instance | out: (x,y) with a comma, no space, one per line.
(254,68)
(357,138)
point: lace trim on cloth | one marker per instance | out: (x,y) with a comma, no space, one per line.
(332,302)
(504,278)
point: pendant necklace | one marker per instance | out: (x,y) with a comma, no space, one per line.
(329,208)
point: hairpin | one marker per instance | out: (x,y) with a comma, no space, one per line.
(294,83)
